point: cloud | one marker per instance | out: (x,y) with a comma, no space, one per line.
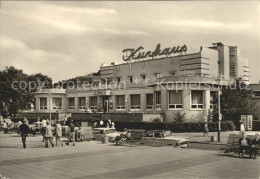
(136,32)
(126,32)
(205,24)
(93,11)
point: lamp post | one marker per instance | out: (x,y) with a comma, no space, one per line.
(219,114)
(50,107)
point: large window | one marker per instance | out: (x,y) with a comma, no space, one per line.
(175,100)
(71,102)
(120,102)
(56,103)
(149,101)
(135,101)
(158,99)
(93,103)
(43,103)
(82,103)
(197,100)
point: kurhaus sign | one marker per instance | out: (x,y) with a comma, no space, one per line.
(137,54)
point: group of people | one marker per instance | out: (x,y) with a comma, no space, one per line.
(247,145)
(109,124)
(47,132)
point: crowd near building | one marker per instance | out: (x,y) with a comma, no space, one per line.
(160,86)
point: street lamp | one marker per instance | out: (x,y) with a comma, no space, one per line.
(50,107)
(219,114)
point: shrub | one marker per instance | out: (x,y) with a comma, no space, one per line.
(179,117)
(175,127)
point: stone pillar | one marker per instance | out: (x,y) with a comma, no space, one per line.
(186,99)
(76,101)
(164,100)
(143,102)
(128,103)
(113,100)
(64,104)
(207,99)
(37,104)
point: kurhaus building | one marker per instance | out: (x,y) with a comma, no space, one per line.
(154,84)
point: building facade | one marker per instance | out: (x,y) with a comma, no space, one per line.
(165,86)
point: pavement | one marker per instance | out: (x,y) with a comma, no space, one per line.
(96,160)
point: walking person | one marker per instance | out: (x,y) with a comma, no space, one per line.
(71,133)
(48,135)
(101,123)
(242,127)
(58,133)
(24,130)
(206,130)
(43,130)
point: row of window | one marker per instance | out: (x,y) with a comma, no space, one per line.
(152,101)
(131,79)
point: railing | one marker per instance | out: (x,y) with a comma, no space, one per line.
(175,106)
(197,106)
(120,107)
(135,107)
(82,107)
(158,106)
(56,107)
(71,107)
(43,107)
(149,107)
(94,108)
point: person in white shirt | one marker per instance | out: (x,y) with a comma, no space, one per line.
(101,123)
(43,125)
(58,133)
(242,128)
(48,135)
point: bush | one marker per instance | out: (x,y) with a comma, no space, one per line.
(175,127)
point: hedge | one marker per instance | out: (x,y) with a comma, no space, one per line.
(175,127)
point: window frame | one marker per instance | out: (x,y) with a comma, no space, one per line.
(81,107)
(43,107)
(135,107)
(150,105)
(56,107)
(175,104)
(120,107)
(71,107)
(155,100)
(197,106)
(94,108)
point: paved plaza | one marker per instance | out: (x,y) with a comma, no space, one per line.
(96,160)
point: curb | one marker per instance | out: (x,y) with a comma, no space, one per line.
(207,143)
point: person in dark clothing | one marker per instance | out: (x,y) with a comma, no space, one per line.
(244,145)
(255,146)
(71,133)
(24,129)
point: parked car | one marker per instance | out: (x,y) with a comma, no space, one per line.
(100,132)
(163,138)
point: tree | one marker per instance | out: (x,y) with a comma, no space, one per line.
(179,117)
(235,100)
(14,97)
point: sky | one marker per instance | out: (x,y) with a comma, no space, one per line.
(65,39)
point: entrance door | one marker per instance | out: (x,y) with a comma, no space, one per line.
(106,103)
